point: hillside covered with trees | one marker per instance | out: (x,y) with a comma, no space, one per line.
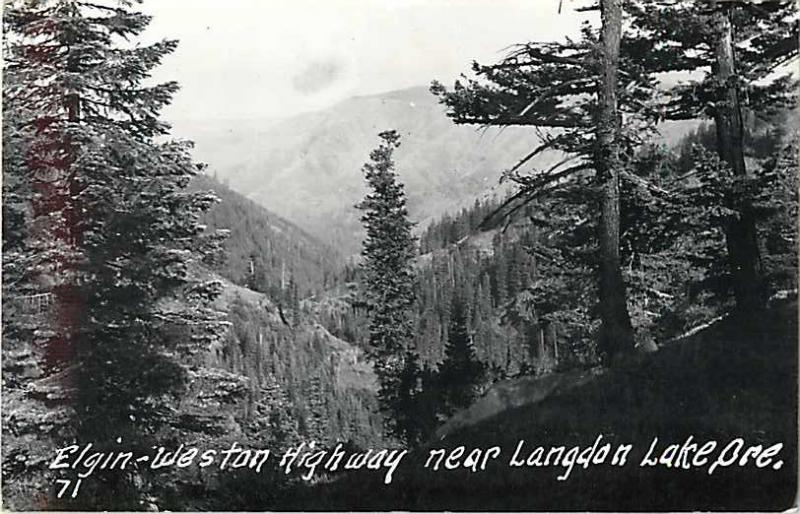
(631,278)
(265,252)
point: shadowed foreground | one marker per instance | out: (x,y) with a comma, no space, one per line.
(726,382)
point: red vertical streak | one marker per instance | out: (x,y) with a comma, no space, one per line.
(51,164)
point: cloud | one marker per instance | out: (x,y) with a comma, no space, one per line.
(317,75)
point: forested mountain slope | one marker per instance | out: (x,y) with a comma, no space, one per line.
(264,251)
(321,376)
(530,308)
(269,266)
(274,379)
(531,312)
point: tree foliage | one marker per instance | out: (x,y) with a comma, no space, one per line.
(388,252)
(740,52)
(461,373)
(109,233)
(569,92)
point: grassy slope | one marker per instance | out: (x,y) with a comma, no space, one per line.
(723,383)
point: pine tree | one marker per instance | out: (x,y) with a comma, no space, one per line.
(316,410)
(570,93)
(616,337)
(388,276)
(461,372)
(111,235)
(739,51)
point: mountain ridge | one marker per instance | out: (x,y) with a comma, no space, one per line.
(307,168)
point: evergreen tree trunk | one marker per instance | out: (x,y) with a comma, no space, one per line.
(742,240)
(616,336)
(70,303)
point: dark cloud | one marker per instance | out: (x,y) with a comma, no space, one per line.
(317,75)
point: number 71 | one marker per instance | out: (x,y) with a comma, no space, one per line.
(66,486)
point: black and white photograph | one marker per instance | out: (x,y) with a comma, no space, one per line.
(400,255)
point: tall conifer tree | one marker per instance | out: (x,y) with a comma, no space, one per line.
(461,372)
(111,236)
(738,52)
(616,337)
(388,253)
(571,94)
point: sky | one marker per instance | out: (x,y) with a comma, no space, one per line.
(269,59)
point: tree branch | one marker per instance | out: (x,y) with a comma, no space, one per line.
(528,192)
(555,89)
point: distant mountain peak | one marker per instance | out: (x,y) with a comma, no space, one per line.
(415,94)
(308,168)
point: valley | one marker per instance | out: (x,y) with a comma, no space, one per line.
(404,256)
(307,168)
